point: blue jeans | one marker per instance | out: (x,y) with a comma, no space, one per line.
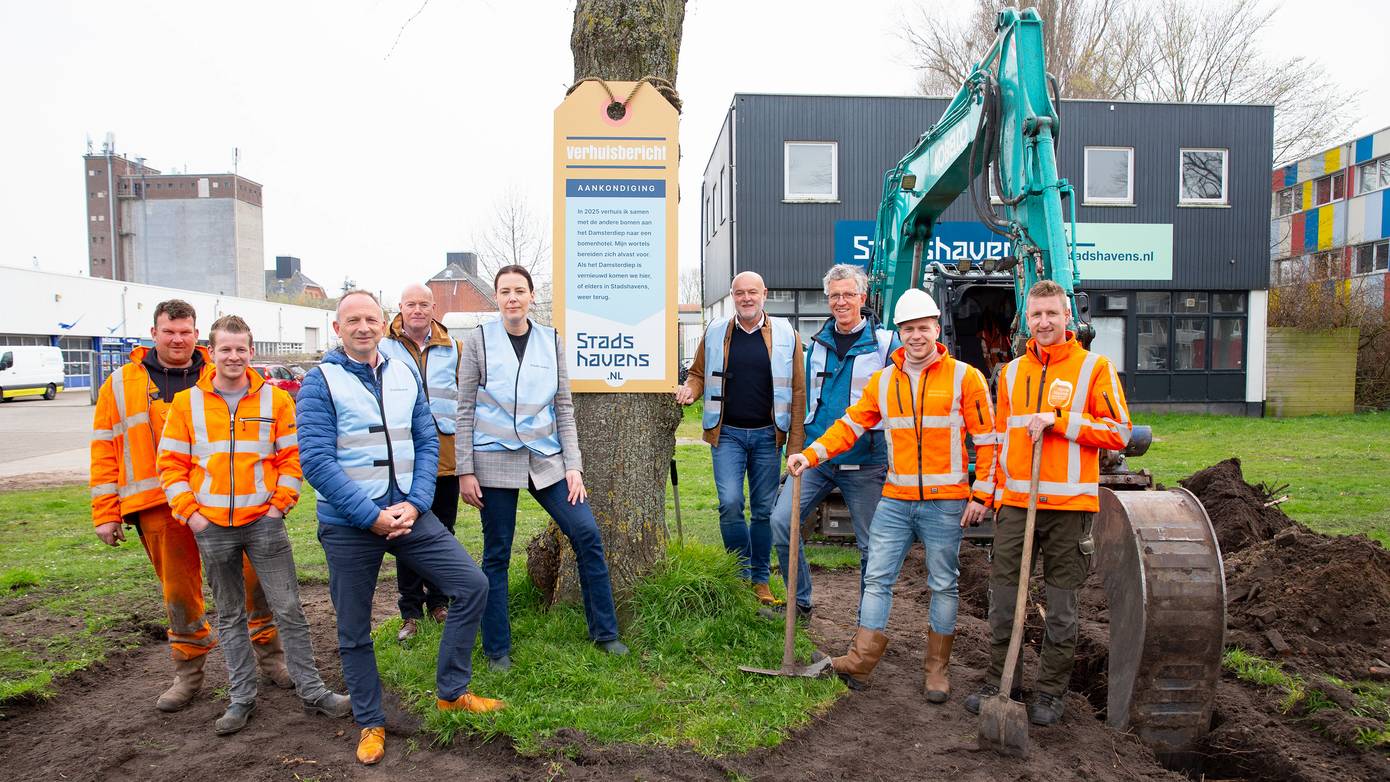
(861,488)
(354,558)
(754,453)
(577,522)
(896,525)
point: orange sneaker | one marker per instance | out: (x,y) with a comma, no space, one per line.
(765,595)
(470,702)
(372,746)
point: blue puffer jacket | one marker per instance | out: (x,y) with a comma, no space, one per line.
(340,500)
(835,392)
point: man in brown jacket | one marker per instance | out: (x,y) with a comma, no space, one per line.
(749,371)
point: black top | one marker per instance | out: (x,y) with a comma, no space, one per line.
(167,381)
(748,380)
(843,342)
(519,341)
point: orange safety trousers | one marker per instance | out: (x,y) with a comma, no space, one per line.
(174,554)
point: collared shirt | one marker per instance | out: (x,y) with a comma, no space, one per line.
(761,319)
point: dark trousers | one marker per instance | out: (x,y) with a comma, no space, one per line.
(1056,540)
(354,559)
(417,594)
(577,522)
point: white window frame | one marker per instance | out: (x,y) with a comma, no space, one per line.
(1225,177)
(1090,200)
(811,198)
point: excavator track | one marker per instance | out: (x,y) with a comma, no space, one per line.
(1166,587)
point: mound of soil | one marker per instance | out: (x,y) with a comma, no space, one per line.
(1237,509)
(1308,594)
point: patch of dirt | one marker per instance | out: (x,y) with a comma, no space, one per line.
(1236,508)
(43,480)
(1316,600)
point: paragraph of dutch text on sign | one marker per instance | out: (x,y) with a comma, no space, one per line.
(617,241)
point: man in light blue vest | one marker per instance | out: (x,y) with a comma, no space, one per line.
(369,446)
(748,370)
(422,343)
(842,356)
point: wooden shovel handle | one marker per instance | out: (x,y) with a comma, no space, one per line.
(794,549)
(1006,681)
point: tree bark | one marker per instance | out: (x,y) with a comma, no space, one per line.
(627,439)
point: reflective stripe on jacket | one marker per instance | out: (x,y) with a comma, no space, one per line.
(124,475)
(515,406)
(374,436)
(926,431)
(232,469)
(441,379)
(782,357)
(1083,391)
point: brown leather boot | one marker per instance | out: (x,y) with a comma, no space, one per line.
(858,663)
(188,679)
(936,683)
(270,659)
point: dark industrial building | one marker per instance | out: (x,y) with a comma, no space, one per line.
(1178,193)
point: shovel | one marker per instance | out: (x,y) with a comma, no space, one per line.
(1004,721)
(676,493)
(789,666)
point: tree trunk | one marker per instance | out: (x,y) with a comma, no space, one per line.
(627,439)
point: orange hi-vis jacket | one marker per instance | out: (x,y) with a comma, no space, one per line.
(231,469)
(1083,391)
(125,431)
(925,432)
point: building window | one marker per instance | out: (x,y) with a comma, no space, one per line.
(1326,266)
(1109,175)
(780,302)
(1284,203)
(1372,257)
(1228,343)
(1207,330)
(1153,344)
(1153,302)
(1373,175)
(1202,176)
(809,169)
(1191,337)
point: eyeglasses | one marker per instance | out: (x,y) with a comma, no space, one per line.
(844,296)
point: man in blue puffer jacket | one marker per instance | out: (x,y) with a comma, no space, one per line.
(368,445)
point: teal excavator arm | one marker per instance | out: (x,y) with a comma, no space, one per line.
(1002,122)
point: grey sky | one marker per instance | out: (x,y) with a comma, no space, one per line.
(375,166)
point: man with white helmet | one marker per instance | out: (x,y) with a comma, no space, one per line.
(927,402)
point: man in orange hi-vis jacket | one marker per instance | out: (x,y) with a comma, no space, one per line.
(1072,399)
(928,403)
(129,417)
(229,464)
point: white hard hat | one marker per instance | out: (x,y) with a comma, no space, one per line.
(913,304)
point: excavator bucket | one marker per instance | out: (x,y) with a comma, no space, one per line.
(1161,565)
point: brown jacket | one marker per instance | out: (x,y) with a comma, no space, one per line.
(439,337)
(695,381)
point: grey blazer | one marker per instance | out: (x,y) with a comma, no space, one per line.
(513,469)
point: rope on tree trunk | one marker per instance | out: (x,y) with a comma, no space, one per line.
(666,88)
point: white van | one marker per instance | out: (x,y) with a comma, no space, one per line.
(30,370)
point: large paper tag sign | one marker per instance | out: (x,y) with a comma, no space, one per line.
(615,238)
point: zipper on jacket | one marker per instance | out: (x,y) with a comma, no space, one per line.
(231,460)
(917,429)
(978,413)
(1111,407)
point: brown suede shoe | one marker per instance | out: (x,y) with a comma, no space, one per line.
(188,679)
(858,663)
(371,747)
(439,614)
(408,631)
(765,596)
(270,659)
(470,702)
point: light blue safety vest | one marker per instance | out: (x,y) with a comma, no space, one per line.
(783,350)
(367,445)
(441,381)
(864,366)
(516,399)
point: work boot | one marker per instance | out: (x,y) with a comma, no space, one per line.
(470,702)
(371,747)
(986,691)
(614,647)
(329,704)
(234,718)
(765,596)
(500,664)
(858,663)
(439,614)
(270,659)
(1046,709)
(408,631)
(937,683)
(778,613)
(188,679)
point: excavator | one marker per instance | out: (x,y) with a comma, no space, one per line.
(1155,549)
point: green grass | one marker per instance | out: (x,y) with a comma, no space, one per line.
(1301,697)
(693,622)
(1337,467)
